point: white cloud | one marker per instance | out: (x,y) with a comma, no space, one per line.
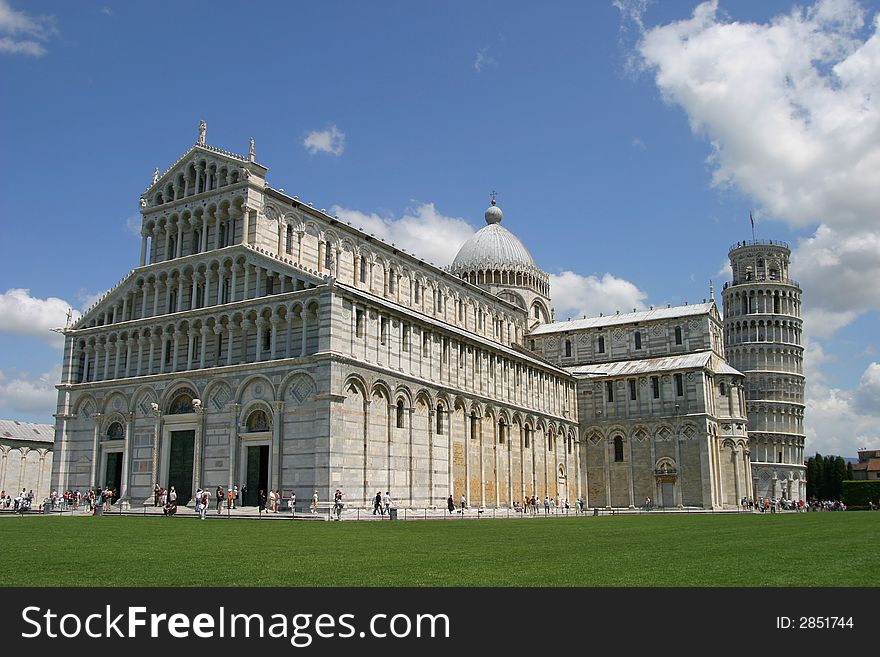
(14,24)
(422,231)
(13,47)
(867,395)
(133,224)
(838,270)
(840,421)
(484,60)
(575,295)
(22,314)
(791,109)
(87,299)
(639,144)
(331,140)
(23,393)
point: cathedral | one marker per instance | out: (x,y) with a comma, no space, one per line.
(263,343)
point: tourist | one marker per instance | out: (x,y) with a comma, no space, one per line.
(235,496)
(337,504)
(229,499)
(314,506)
(292,504)
(219,494)
(261,501)
(463,503)
(206,501)
(546,506)
(377,504)
(386,503)
(156,491)
(450,504)
(170,508)
(271,500)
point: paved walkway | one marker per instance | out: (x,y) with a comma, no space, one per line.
(252,513)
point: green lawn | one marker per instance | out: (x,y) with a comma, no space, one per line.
(815,549)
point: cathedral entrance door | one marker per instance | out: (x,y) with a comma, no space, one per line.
(667,490)
(180,465)
(257,474)
(113,474)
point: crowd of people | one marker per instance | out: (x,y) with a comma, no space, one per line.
(229,498)
(69,500)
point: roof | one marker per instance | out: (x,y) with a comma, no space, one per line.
(699,360)
(492,247)
(871,465)
(17,430)
(626,318)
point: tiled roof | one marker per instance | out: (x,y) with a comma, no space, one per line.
(700,359)
(17,430)
(625,318)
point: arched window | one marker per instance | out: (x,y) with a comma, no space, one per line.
(568,348)
(181,404)
(400,419)
(418,292)
(475,426)
(618,449)
(383,330)
(392,282)
(638,340)
(601,344)
(267,339)
(363,269)
(258,421)
(722,389)
(288,245)
(501,427)
(537,310)
(439,418)
(677,335)
(115,432)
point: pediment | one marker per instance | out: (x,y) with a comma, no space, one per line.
(181,177)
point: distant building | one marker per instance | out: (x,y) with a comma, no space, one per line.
(26,457)
(868,466)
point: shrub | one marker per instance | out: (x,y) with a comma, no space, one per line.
(859,493)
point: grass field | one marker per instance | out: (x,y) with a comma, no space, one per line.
(815,549)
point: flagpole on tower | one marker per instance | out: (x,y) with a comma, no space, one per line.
(752,220)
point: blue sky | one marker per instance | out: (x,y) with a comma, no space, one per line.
(627,140)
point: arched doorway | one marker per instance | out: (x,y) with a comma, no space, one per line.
(255,460)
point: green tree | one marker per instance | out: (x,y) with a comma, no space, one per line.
(849,472)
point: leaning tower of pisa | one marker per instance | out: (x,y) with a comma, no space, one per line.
(762,330)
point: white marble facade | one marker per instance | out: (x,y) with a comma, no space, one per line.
(261,341)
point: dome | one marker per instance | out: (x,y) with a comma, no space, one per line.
(492,247)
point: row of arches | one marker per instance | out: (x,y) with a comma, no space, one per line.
(188,232)
(198,176)
(767,357)
(287,330)
(427,445)
(788,331)
(212,282)
(762,302)
(532,279)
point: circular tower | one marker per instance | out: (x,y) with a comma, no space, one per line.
(762,335)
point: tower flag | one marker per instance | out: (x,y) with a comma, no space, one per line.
(752,219)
